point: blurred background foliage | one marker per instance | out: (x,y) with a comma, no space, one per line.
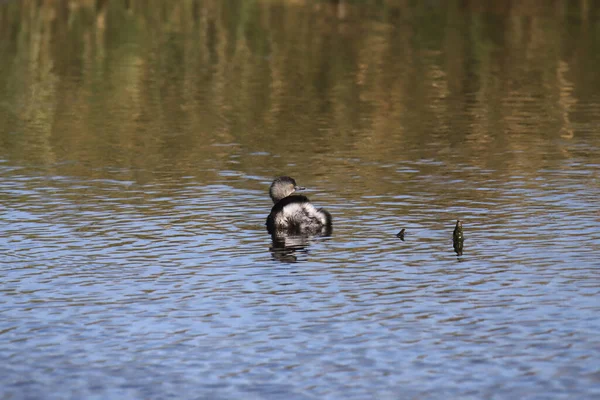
(140,84)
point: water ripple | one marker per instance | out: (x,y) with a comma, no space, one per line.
(100,275)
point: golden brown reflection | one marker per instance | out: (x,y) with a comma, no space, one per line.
(312,85)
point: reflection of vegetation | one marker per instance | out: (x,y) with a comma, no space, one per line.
(142,83)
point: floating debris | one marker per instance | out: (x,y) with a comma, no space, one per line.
(401,234)
(458,238)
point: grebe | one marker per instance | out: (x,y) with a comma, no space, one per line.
(294,213)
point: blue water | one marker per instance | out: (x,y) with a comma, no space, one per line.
(111,289)
(137,144)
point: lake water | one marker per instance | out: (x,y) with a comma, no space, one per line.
(137,144)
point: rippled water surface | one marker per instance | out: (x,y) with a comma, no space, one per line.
(137,145)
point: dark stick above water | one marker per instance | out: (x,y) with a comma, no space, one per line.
(458,238)
(401,234)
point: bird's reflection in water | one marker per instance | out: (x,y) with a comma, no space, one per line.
(286,247)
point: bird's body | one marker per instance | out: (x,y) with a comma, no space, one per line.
(294,214)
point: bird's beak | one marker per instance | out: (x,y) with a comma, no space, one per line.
(296,188)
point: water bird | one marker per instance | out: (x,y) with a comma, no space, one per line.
(293,213)
(401,234)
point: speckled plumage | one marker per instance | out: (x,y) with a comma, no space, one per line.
(295,214)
